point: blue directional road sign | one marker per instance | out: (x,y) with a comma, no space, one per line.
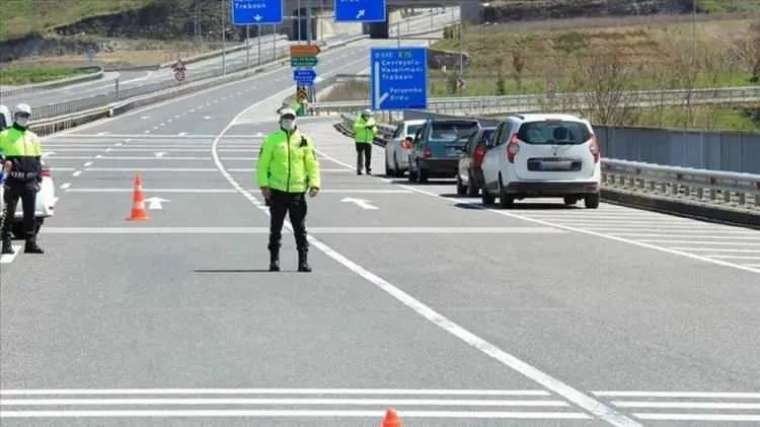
(249,12)
(398,78)
(304,76)
(360,10)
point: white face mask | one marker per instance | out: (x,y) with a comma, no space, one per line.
(288,124)
(22,121)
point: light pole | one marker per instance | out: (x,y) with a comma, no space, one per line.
(258,38)
(299,20)
(224,38)
(247,46)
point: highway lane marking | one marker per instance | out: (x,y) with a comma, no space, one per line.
(227,413)
(283,401)
(717,250)
(584,401)
(224,190)
(685,405)
(675,394)
(8,258)
(697,242)
(271,391)
(65,186)
(732,257)
(695,417)
(88,164)
(685,235)
(76,173)
(314,230)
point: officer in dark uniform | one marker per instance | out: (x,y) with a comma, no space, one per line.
(22,161)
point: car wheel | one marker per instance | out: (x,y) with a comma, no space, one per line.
(592,200)
(396,168)
(422,175)
(412,174)
(570,200)
(388,171)
(487,198)
(461,188)
(472,189)
(505,201)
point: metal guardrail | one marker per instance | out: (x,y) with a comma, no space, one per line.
(7,92)
(722,189)
(561,101)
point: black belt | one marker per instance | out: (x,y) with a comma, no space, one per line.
(23,175)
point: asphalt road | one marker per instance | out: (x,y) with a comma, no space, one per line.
(454,314)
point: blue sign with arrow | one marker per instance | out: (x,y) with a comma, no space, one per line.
(398,78)
(304,76)
(360,10)
(250,12)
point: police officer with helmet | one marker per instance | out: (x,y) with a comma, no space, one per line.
(286,169)
(21,151)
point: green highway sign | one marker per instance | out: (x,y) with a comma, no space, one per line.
(304,61)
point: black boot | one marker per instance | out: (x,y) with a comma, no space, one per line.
(274,260)
(31,247)
(7,247)
(303,262)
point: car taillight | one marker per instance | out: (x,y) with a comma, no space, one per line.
(46,173)
(477,157)
(594,148)
(427,153)
(513,148)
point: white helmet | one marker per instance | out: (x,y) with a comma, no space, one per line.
(23,109)
(367,113)
(287,112)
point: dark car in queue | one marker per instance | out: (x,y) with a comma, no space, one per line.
(470,174)
(437,146)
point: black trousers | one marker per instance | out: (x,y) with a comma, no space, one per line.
(27,192)
(282,203)
(363,151)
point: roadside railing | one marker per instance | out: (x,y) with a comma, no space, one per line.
(482,105)
(721,189)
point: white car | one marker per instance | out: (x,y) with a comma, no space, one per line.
(543,155)
(397,150)
(5,117)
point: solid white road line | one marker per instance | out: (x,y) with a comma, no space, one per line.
(745,257)
(217,190)
(678,394)
(229,413)
(696,417)
(685,405)
(313,230)
(8,258)
(282,401)
(593,406)
(143,169)
(269,391)
(686,235)
(716,250)
(698,242)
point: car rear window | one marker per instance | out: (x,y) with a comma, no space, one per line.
(552,132)
(412,130)
(453,131)
(488,136)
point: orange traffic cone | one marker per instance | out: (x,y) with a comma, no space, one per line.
(138,202)
(391,419)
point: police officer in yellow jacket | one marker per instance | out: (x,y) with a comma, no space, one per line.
(22,161)
(286,169)
(365,130)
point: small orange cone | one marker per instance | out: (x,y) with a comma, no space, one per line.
(391,419)
(138,202)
